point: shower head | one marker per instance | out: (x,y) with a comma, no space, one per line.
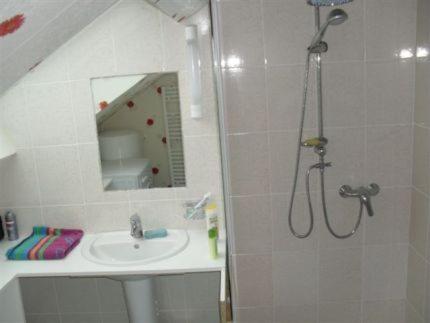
(319,3)
(335,17)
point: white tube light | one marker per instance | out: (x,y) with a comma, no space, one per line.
(6,147)
(194,71)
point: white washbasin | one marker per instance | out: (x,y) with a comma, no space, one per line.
(120,249)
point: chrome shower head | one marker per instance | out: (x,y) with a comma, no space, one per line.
(319,3)
(335,17)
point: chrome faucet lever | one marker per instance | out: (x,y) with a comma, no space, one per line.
(363,193)
(136,227)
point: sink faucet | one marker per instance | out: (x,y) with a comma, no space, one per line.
(136,227)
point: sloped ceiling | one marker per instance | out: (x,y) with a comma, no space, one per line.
(30,30)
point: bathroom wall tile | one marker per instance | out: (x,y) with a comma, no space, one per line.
(412,316)
(202,290)
(297,313)
(384,272)
(83,108)
(342,312)
(389,155)
(288,27)
(209,316)
(388,311)
(346,42)
(342,215)
(249,164)
(245,100)
(170,292)
(427,294)
(295,277)
(416,289)
(252,224)
(99,59)
(287,82)
(383,80)
(81,318)
(27,218)
(390,27)
(38,295)
(422,93)
(390,224)
(173,316)
(156,214)
(115,317)
(419,222)
(283,148)
(43,318)
(71,217)
(283,238)
(135,28)
(91,175)
(174,44)
(242,44)
(106,217)
(59,175)
(253,280)
(340,275)
(77,295)
(421,161)
(346,150)
(48,111)
(343,94)
(14,116)
(19,172)
(111,295)
(253,315)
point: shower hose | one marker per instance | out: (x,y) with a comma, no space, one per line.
(321,167)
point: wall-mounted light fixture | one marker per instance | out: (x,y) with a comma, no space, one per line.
(194,71)
(6,147)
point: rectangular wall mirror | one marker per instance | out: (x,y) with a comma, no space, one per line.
(139,131)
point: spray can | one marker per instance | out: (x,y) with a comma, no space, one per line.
(11,226)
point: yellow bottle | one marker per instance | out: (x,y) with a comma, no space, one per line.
(213,229)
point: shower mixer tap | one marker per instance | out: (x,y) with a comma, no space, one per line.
(363,193)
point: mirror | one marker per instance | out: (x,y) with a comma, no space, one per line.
(139,131)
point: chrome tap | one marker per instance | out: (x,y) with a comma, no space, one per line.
(136,227)
(363,193)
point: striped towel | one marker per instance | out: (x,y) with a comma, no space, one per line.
(46,243)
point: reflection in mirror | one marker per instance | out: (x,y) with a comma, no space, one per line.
(139,131)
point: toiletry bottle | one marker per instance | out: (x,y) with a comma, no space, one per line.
(213,229)
(1,230)
(11,226)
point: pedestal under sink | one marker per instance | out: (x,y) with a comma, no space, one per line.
(120,249)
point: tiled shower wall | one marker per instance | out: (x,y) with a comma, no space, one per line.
(368,81)
(418,290)
(55,177)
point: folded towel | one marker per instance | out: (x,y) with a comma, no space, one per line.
(46,243)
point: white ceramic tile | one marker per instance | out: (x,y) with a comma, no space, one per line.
(390,92)
(26,218)
(49,111)
(38,295)
(421,159)
(59,175)
(297,313)
(252,224)
(419,221)
(174,44)
(245,100)
(288,29)
(389,311)
(242,44)
(389,155)
(422,94)
(76,295)
(202,290)
(390,27)
(285,98)
(111,296)
(340,275)
(416,288)
(170,292)
(253,315)
(43,318)
(69,217)
(107,217)
(136,30)
(385,270)
(340,312)
(81,318)
(295,277)
(19,173)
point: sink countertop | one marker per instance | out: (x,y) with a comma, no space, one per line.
(194,258)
